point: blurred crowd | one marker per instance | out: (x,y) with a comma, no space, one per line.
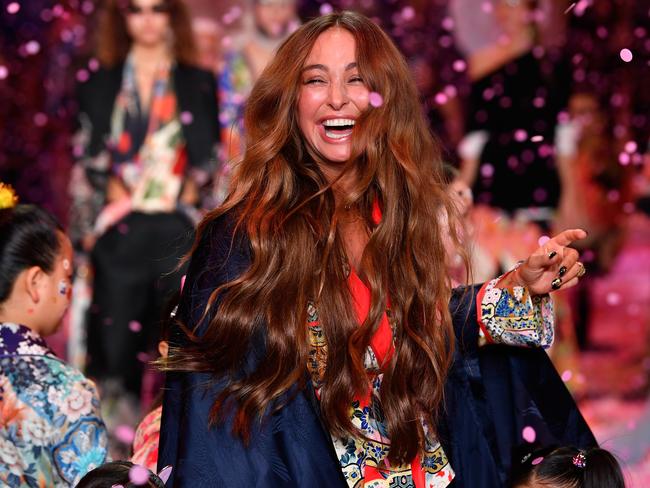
(541,108)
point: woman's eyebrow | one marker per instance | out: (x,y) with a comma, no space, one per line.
(322,67)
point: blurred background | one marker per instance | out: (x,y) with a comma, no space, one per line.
(542,109)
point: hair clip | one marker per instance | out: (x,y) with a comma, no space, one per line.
(8,197)
(579,460)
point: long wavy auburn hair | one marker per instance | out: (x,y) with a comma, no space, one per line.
(285,206)
(114,41)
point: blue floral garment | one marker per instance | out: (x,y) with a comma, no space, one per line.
(51,431)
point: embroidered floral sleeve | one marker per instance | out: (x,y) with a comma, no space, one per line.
(511,316)
(84,444)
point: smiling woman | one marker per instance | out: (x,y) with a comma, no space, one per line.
(320,341)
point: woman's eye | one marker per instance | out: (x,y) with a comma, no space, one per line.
(356,79)
(314,81)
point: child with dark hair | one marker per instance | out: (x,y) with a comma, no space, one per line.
(568,467)
(124,474)
(51,430)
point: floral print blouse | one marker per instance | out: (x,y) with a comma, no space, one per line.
(51,430)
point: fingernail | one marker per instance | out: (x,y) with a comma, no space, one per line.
(552,254)
(556,283)
(562,271)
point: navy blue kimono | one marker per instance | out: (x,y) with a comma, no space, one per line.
(492,393)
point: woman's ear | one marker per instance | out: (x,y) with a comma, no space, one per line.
(32,281)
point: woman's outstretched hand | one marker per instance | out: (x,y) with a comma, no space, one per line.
(552,266)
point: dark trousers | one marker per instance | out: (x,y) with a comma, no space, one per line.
(135,265)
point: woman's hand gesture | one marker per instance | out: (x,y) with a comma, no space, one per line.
(553,265)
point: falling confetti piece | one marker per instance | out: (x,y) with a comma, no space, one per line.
(135,326)
(125,434)
(408,13)
(375,99)
(626,55)
(567,375)
(186,118)
(487,170)
(441,98)
(521,135)
(165,473)
(570,8)
(82,75)
(325,9)
(139,475)
(537,138)
(537,460)
(32,47)
(543,240)
(529,434)
(4,72)
(613,298)
(630,147)
(183,282)
(459,65)
(13,8)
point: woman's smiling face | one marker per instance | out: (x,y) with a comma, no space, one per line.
(332,95)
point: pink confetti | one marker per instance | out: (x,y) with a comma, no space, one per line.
(143,357)
(135,326)
(441,98)
(138,475)
(570,8)
(537,138)
(40,119)
(4,72)
(325,9)
(82,75)
(448,23)
(375,99)
(186,118)
(626,55)
(487,7)
(183,281)
(117,486)
(537,460)
(459,65)
(630,147)
(125,434)
(567,375)
(613,298)
(93,64)
(123,228)
(529,434)
(165,473)
(408,13)
(487,170)
(32,47)
(521,135)
(13,8)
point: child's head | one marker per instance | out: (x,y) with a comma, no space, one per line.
(123,474)
(35,268)
(569,467)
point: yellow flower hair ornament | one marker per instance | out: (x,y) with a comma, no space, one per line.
(8,197)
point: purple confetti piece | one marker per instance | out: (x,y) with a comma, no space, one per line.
(537,460)
(487,170)
(186,118)
(375,99)
(543,240)
(529,434)
(143,357)
(165,473)
(138,475)
(325,9)
(135,326)
(82,75)
(567,375)
(521,135)
(408,13)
